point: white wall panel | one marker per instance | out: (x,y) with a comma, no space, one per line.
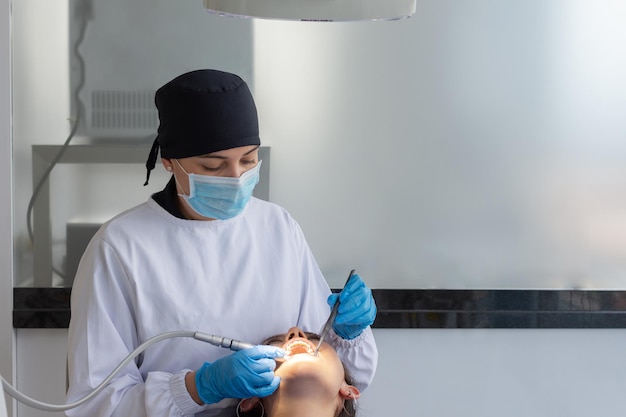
(475,145)
(41,369)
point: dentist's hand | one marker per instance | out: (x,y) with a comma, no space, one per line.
(244,374)
(357,308)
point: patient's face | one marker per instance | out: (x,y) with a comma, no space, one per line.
(304,371)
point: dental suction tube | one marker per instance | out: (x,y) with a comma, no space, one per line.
(214,340)
(222,342)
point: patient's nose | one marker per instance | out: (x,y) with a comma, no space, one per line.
(294,332)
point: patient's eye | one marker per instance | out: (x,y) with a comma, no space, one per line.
(312,336)
(279,338)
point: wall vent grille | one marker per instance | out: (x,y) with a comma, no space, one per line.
(123,110)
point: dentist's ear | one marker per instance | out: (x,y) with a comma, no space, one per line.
(167,164)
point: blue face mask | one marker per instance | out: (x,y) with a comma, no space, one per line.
(220,197)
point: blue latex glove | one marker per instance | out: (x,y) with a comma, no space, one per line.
(244,374)
(357,308)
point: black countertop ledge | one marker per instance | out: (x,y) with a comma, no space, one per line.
(49,308)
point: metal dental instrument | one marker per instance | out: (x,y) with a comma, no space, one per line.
(333,314)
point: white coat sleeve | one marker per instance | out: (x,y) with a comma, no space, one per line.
(102,333)
(360,356)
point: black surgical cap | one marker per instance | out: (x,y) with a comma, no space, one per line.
(203,111)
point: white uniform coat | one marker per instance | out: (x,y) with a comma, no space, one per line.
(146,272)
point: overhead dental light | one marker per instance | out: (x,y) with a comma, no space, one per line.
(314,10)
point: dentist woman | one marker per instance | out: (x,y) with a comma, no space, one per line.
(202,254)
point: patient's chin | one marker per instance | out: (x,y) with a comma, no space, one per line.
(306,383)
(300,367)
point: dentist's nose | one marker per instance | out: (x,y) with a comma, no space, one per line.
(293,333)
(236,172)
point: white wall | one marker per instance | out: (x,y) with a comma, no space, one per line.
(475,145)
(41,364)
(491,373)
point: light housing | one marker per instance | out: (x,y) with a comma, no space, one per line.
(314,10)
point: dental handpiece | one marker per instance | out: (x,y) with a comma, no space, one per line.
(222,342)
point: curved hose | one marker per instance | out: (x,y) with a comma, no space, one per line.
(62,407)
